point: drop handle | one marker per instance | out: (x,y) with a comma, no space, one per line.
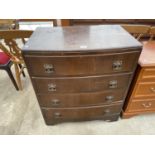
(152,89)
(117,65)
(113,84)
(147,105)
(49,68)
(52,87)
(106,111)
(55,102)
(57,115)
(109,98)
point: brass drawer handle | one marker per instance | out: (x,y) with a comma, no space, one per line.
(57,115)
(117,65)
(147,105)
(51,87)
(113,84)
(152,89)
(49,68)
(107,111)
(55,102)
(109,98)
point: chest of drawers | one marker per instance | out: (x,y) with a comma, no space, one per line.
(82,72)
(141,97)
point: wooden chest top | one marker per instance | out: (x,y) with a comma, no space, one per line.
(147,57)
(80,38)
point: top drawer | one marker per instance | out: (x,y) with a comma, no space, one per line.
(148,75)
(80,65)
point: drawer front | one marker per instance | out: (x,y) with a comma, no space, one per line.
(77,114)
(107,118)
(142,105)
(82,84)
(80,99)
(148,75)
(145,89)
(57,66)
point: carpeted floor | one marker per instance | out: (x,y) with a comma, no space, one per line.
(20,114)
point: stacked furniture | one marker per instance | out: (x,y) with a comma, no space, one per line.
(141,97)
(139,28)
(150,22)
(81,73)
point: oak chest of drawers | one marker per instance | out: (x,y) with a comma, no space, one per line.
(141,97)
(82,72)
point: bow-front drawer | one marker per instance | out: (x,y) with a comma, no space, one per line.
(81,84)
(81,65)
(53,116)
(80,99)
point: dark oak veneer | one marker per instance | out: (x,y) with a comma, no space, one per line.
(55,115)
(82,72)
(64,100)
(77,65)
(81,84)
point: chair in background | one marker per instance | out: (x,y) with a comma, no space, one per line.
(5,64)
(152,33)
(138,31)
(10,41)
(7,24)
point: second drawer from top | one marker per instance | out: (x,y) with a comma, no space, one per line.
(81,84)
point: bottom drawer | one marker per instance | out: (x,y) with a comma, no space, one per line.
(56,115)
(142,105)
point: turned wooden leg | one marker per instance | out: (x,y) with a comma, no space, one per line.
(8,70)
(18,77)
(20,66)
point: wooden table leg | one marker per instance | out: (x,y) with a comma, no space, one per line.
(18,77)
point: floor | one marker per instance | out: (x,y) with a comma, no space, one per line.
(20,115)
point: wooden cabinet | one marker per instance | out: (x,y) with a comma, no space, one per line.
(141,97)
(81,73)
(67,22)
